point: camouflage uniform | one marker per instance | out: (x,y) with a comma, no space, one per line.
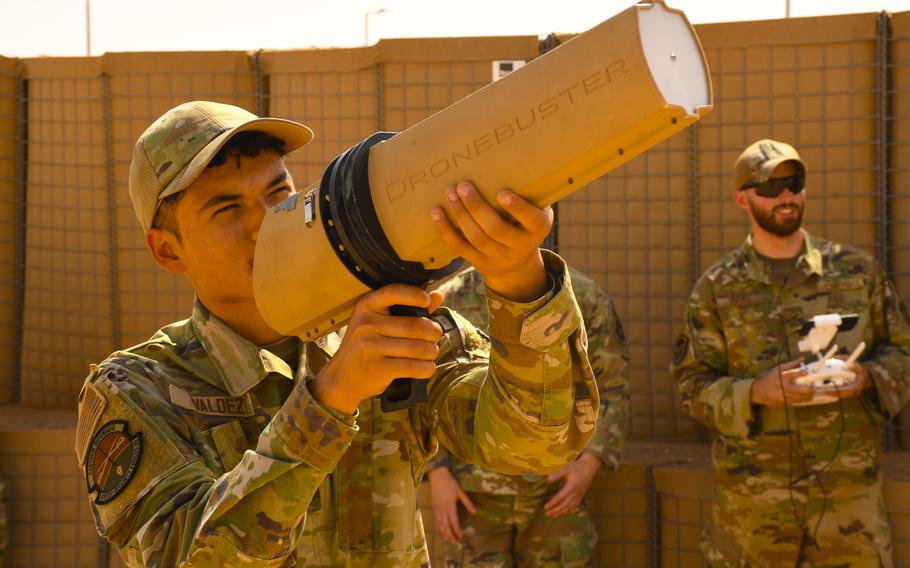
(801,486)
(199,446)
(509,527)
(4,537)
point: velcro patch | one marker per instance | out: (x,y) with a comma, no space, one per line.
(213,405)
(112,460)
(91,405)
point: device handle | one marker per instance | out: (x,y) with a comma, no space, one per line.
(404,392)
(856,353)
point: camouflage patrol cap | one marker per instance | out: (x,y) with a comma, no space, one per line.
(177,147)
(759,160)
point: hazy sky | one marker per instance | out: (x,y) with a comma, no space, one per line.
(57,27)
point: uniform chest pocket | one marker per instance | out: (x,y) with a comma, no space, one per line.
(847,295)
(735,311)
(745,322)
(229,442)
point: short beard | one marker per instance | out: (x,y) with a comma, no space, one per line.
(781,229)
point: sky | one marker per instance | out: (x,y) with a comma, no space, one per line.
(30,28)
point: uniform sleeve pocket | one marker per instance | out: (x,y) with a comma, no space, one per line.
(231,442)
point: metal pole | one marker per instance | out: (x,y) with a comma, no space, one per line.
(113,264)
(552,241)
(883,109)
(380,96)
(653,512)
(21,196)
(260,84)
(882,136)
(788,8)
(88,28)
(366,23)
(694,217)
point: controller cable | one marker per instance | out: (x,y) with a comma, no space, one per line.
(791,481)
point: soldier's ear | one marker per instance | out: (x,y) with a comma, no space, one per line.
(741,199)
(166,249)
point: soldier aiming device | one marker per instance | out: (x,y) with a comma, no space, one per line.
(544,131)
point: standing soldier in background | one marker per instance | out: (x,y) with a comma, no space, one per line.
(794,485)
(532,520)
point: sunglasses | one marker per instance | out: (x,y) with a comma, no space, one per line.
(775,186)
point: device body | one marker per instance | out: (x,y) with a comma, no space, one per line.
(543,131)
(827,374)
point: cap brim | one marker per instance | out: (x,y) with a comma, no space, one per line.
(294,135)
(769,166)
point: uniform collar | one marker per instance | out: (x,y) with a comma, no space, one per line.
(809,262)
(240,363)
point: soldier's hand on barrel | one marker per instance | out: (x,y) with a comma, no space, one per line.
(506,253)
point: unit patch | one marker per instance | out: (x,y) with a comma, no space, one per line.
(112,461)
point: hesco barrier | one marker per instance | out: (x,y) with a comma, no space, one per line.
(76,280)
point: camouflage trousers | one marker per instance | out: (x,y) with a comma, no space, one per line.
(512,531)
(762,524)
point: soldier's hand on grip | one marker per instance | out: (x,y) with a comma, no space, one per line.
(379,347)
(506,254)
(777,387)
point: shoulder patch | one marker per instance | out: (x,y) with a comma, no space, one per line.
(680,348)
(112,460)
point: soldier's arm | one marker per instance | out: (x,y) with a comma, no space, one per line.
(609,356)
(531,407)
(170,507)
(699,369)
(888,362)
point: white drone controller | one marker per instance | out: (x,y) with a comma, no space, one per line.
(826,375)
